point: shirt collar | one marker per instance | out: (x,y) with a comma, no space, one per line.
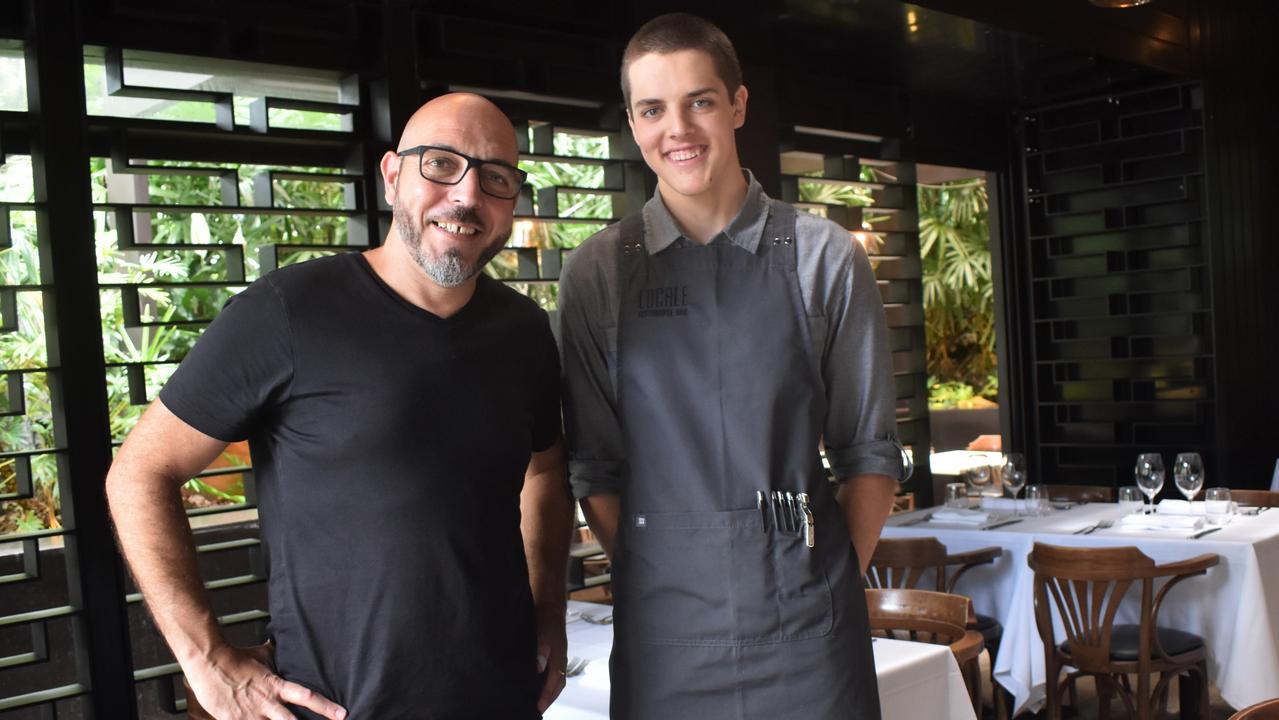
(745,230)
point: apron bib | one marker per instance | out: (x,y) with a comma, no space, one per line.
(721,613)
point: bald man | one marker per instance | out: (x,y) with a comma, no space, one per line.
(402,411)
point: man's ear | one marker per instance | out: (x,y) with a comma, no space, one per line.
(739,107)
(390,175)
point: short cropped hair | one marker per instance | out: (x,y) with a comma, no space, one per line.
(673,32)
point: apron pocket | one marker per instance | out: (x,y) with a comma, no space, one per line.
(716,578)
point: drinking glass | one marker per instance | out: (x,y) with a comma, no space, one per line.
(977,476)
(1188,473)
(1014,473)
(1130,499)
(956,495)
(1036,497)
(1217,505)
(1149,473)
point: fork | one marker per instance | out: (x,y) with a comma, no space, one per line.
(576,666)
(597,619)
(1099,525)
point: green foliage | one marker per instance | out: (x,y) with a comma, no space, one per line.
(954,234)
(561,235)
(958,291)
(957,394)
(158,344)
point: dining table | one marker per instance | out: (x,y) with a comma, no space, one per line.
(916,680)
(1234,606)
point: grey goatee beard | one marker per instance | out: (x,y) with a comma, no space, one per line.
(447,269)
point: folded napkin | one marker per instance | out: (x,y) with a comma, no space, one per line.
(1004,505)
(1162,522)
(958,515)
(1181,507)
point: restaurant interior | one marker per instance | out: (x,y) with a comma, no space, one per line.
(155,158)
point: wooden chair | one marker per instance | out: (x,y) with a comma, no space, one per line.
(902,563)
(931,617)
(1266,710)
(903,503)
(1086,587)
(1082,493)
(1255,498)
(589,569)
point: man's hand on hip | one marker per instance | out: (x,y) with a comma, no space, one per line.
(238,687)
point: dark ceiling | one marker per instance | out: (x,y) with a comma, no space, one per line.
(1066,48)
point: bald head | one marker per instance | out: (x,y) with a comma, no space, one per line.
(465,117)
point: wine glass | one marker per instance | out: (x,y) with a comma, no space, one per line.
(1014,474)
(977,476)
(1188,473)
(1149,473)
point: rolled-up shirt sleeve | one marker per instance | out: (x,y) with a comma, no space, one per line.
(588,350)
(860,434)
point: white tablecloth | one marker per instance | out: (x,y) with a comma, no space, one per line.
(916,680)
(1235,607)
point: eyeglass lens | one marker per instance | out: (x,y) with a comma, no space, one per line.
(449,167)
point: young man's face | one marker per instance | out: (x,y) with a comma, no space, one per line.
(683,121)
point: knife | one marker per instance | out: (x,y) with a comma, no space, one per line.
(1002,523)
(1208,531)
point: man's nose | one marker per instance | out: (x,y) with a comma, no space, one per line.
(679,125)
(467,190)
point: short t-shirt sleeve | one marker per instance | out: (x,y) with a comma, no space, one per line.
(546,418)
(241,366)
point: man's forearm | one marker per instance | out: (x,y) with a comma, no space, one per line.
(867,501)
(546,510)
(157,543)
(146,507)
(602,513)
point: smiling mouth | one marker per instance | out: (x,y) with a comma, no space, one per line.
(454,228)
(686,154)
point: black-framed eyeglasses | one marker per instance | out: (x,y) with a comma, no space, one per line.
(448,167)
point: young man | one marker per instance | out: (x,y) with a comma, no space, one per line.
(710,344)
(403,413)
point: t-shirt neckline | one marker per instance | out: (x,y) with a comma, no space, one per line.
(457,317)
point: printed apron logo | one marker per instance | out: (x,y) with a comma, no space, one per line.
(671,301)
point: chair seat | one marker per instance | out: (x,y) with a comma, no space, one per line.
(1125,641)
(989,628)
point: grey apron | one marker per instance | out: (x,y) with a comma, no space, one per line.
(718,613)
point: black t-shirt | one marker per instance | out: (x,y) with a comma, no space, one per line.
(389,448)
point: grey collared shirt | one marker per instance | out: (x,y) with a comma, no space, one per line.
(845,314)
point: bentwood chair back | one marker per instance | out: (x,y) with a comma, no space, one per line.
(1085,587)
(902,563)
(1266,710)
(931,617)
(1082,493)
(1255,498)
